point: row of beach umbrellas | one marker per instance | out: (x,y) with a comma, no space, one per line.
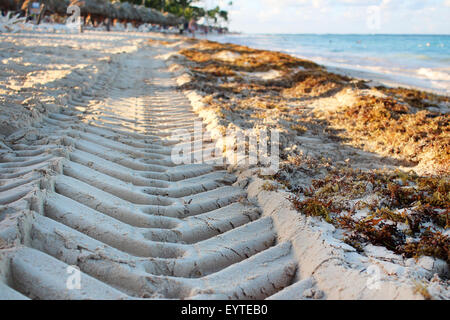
(104,8)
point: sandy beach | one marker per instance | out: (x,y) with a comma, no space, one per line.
(358,208)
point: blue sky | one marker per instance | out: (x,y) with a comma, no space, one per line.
(340,16)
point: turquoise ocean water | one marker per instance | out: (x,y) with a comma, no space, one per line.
(421,61)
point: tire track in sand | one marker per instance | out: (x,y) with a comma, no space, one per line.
(111,202)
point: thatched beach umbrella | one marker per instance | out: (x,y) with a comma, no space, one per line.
(109,10)
(119,12)
(132,12)
(113,14)
(144,14)
(149,15)
(96,11)
(97,7)
(155,16)
(172,20)
(159,17)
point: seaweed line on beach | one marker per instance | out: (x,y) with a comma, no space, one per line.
(371,160)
